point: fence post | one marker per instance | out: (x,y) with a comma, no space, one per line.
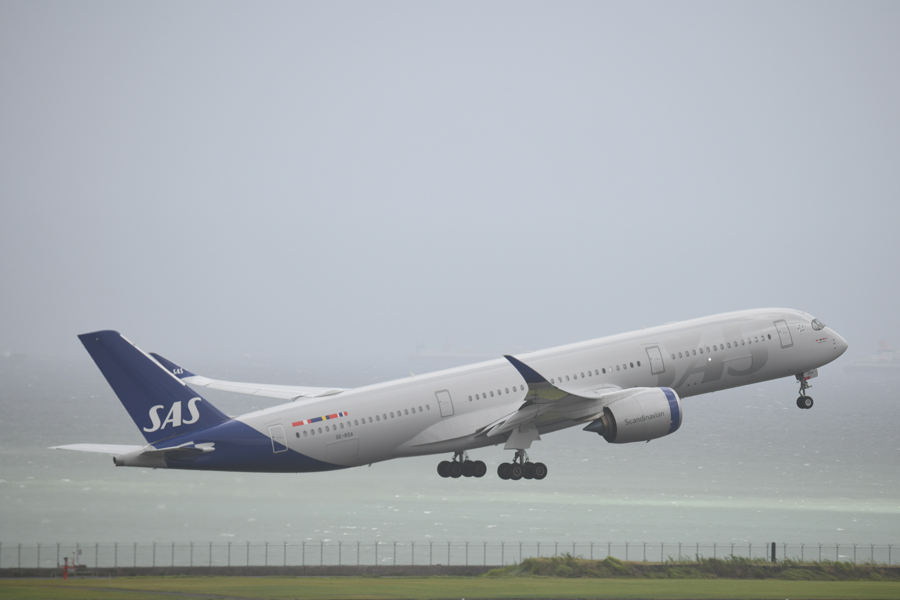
(394,560)
(57,553)
(357,553)
(266,563)
(303,553)
(153,563)
(732,549)
(592,550)
(626,551)
(322,553)
(889,554)
(284,554)
(340,558)
(714,549)
(837,552)
(467,553)
(192,555)
(502,554)
(645,551)
(133,561)
(538,549)
(210,554)
(679,551)
(485,555)
(697,551)
(784,551)
(376,552)
(412,559)
(173,554)
(872,556)
(854,553)
(801,552)
(430,551)
(19,564)
(39,557)
(750,550)
(229,554)
(248,553)
(448,554)
(820,552)
(608,548)
(520,551)
(555,548)
(662,551)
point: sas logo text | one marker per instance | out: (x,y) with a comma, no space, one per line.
(174,416)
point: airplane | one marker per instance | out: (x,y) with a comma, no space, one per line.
(626,388)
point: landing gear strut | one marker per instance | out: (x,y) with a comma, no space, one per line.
(521,467)
(804,401)
(461,466)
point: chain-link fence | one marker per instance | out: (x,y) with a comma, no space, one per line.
(322,553)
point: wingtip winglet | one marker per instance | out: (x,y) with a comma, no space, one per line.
(530,375)
(177,371)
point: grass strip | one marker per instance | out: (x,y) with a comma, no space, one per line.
(376,588)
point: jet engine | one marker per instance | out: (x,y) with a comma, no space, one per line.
(645,415)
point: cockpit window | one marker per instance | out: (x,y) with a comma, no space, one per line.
(817,324)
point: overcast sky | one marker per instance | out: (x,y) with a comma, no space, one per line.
(297,179)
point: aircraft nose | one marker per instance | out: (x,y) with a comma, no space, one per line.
(840,343)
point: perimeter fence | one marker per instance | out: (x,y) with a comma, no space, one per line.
(348,553)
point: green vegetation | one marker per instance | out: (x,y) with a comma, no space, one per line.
(563,577)
(705,568)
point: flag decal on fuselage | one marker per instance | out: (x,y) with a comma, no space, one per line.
(317,419)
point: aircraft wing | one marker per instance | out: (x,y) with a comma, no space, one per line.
(543,398)
(282,392)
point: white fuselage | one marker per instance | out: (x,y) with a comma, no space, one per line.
(448,411)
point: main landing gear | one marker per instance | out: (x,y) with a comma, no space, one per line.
(804,401)
(461,466)
(521,467)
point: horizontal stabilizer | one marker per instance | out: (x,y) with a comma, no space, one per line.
(102,448)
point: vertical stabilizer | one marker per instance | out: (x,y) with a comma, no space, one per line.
(160,404)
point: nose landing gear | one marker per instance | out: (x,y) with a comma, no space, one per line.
(804,401)
(521,468)
(461,466)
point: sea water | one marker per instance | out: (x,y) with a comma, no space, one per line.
(746,466)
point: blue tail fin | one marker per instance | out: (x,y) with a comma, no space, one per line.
(161,405)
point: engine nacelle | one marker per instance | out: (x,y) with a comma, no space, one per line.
(645,415)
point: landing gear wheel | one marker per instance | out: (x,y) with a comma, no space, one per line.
(516,471)
(455,470)
(528,470)
(444,468)
(540,470)
(468,468)
(480,469)
(503,470)
(805,402)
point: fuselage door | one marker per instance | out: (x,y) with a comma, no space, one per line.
(444,401)
(656,360)
(784,333)
(279,442)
